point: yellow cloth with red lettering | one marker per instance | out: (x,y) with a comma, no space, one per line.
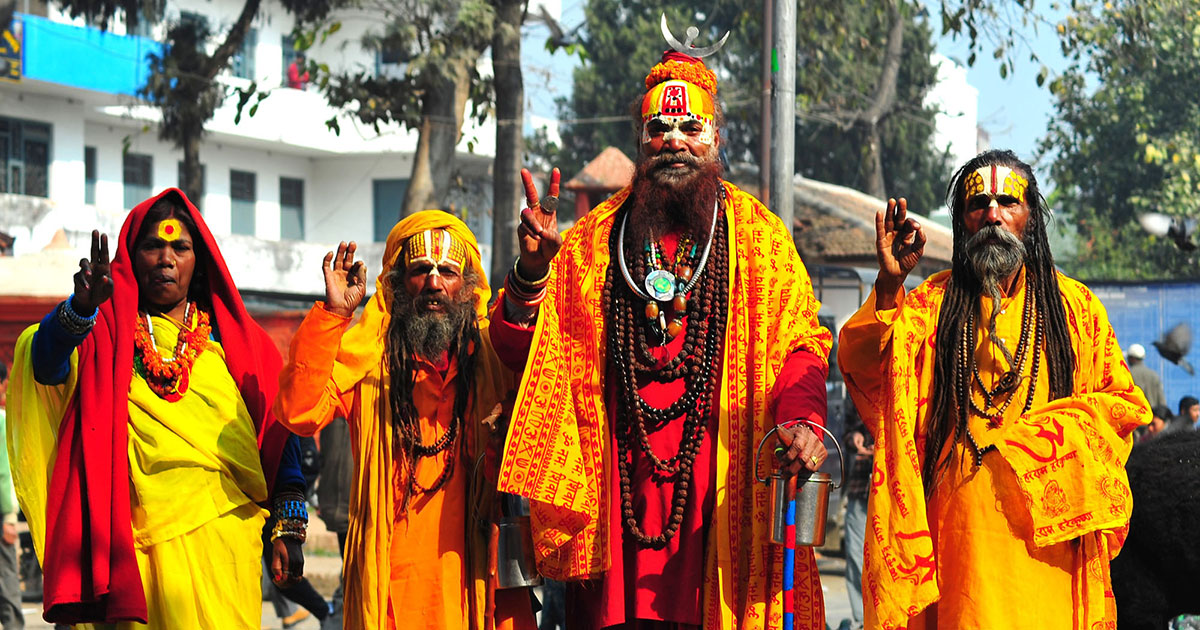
(199,551)
(336,372)
(555,452)
(1025,540)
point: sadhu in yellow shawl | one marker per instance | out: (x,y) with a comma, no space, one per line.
(1063,460)
(360,367)
(555,452)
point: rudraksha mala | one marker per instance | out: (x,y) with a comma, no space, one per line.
(698,363)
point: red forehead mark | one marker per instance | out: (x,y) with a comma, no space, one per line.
(995,184)
(169,229)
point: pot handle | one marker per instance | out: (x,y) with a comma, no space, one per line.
(811,425)
(841,456)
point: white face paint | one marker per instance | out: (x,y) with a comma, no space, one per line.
(675,129)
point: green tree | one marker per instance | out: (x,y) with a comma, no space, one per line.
(863,69)
(435,46)
(1126,134)
(183,79)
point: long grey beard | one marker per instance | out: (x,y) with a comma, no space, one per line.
(993,263)
(430,334)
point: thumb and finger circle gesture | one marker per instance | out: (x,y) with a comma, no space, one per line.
(538,231)
(345,280)
(93,281)
(899,242)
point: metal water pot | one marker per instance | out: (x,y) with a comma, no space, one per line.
(811,492)
(515,565)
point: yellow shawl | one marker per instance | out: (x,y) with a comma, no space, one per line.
(556,451)
(1068,456)
(360,367)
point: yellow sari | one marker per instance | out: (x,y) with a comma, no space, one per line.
(195,478)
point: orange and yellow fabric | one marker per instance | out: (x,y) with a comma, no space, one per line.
(555,451)
(1039,520)
(217,460)
(336,372)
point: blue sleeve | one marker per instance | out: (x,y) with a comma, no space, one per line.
(289,473)
(52,348)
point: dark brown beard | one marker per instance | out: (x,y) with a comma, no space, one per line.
(668,200)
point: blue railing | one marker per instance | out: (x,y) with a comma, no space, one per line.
(85,57)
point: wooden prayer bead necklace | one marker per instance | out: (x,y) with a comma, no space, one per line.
(967,374)
(697,362)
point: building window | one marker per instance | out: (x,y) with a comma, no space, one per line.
(24,157)
(89,175)
(242,195)
(388,197)
(197,199)
(291,208)
(243,59)
(137,178)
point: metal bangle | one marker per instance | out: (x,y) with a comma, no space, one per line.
(532,285)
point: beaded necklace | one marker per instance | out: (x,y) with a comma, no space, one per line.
(698,363)
(967,377)
(168,378)
(664,286)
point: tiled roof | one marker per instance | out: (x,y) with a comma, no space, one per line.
(610,171)
(835,223)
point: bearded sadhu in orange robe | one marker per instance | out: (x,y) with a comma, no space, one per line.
(655,517)
(1002,412)
(421,385)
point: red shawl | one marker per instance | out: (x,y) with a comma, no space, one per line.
(91,572)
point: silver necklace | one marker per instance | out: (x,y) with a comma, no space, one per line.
(661,285)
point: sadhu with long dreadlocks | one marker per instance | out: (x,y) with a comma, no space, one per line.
(416,377)
(678,327)
(1002,412)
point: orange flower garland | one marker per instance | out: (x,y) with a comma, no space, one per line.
(168,378)
(695,73)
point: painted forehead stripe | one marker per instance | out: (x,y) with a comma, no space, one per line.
(995,180)
(170,230)
(674,103)
(435,248)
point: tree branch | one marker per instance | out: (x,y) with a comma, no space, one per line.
(233,40)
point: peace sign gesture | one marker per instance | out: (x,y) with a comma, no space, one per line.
(93,281)
(539,237)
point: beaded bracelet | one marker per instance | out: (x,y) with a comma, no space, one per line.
(72,322)
(295,529)
(290,504)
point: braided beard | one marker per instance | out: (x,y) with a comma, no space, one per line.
(995,254)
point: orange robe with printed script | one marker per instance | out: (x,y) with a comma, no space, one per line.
(556,451)
(428,567)
(1023,541)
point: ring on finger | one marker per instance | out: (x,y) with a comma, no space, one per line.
(813,459)
(549,205)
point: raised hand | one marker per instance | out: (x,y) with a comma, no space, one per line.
(899,245)
(345,280)
(538,233)
(93,281)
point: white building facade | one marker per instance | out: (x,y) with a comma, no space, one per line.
(78,149)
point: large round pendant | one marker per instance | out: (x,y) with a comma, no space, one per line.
(660,284)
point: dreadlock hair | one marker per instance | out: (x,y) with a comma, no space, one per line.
(400,357)
(962,293)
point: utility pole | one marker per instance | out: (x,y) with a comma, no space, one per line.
(765,130)
(783,156)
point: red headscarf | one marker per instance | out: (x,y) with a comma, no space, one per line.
(91,572)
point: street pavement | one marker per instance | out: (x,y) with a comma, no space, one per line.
(323,569)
